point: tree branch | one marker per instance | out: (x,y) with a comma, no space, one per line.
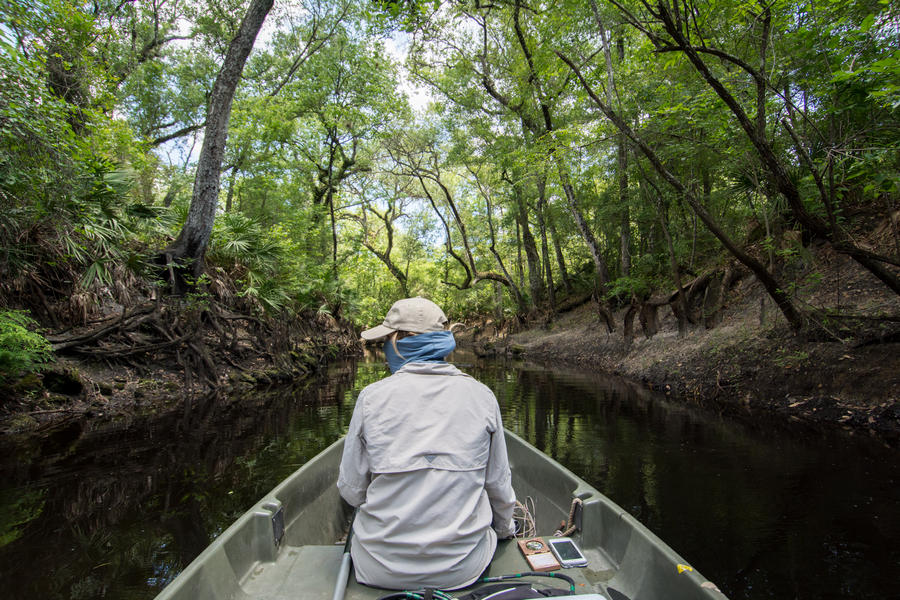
(177,134)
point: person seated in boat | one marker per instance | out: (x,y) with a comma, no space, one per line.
(425,462)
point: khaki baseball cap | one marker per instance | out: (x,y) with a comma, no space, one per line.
(417,315)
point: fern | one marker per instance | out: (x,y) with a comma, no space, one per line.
(22,351)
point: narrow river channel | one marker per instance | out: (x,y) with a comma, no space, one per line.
(765,511)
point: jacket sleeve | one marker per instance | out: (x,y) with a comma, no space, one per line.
(354,475)
(498,482)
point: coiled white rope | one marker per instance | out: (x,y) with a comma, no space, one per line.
(524,515)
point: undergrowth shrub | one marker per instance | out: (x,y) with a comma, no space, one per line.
(22,350)
(248,260)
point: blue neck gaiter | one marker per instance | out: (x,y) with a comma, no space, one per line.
(433,346)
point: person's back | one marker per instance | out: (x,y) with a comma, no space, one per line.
(425,461)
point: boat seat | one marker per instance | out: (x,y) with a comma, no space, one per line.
(299,571)
(314,569)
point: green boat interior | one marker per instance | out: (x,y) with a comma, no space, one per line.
(288,545)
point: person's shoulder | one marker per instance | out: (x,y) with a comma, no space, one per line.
(472,382)
(374,387)
(383,388)
(483,388)
(369,397)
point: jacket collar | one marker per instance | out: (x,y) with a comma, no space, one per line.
(429,368)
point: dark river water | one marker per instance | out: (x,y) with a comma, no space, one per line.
(116,510)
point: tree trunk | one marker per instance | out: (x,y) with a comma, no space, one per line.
(230,196)
(235,170)
(587,235)
(520,266)
(649,319)
(513,288)
(385,258)
(621,143)
(188,250)
(714,300)
(535,281)
(545,248)
(625,234)
(170,194)
(560,257)
(473,274)
(682,313)
(388,217)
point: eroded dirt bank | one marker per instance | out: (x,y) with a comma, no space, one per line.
(750,364)
(78,387)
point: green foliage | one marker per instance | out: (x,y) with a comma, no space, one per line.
(22,350)
(99,227)
(252,256)
(17,509)
(407,15)
(100,105)
(626,287)
(66,176)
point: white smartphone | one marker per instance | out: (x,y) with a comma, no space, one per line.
(567,552)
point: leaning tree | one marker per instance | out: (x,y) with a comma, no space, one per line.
(184,257)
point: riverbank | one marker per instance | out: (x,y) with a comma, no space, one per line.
(750,364)
(747,363)
(82,387)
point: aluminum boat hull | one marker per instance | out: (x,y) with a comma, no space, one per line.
(626,560)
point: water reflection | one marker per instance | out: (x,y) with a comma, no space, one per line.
(763,512)
(115,511)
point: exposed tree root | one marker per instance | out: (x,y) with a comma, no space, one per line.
(199,336)
(705,298)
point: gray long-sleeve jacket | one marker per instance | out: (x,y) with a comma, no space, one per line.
(425,461)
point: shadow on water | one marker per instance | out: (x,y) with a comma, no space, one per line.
(117,510)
